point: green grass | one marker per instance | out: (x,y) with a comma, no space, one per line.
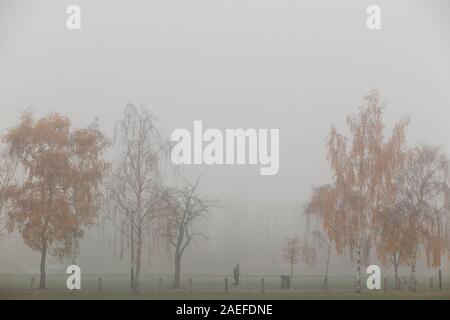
(200,283)
(17,286)
(238,295)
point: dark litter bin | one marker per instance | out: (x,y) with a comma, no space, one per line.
(285,282)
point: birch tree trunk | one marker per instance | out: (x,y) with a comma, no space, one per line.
(358,254)
(327,267)
(132,255)
(413,272)
(292,276)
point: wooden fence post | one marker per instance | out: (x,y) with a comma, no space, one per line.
(262,285)
(159,285)
(190,285)
(385,286)
(99,284)
(226,285)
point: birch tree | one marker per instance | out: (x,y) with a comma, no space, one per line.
(390,223)
(358,164)
(136,182)
(327,227)
(63,169)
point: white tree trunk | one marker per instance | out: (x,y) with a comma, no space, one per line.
(292,276)
(358,280)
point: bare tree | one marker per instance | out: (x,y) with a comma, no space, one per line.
(183,211)
(423,198)
(295,252)
(136,182)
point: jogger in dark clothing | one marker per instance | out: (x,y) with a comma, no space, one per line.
(236,276)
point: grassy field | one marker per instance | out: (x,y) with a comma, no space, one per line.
(116,286)
(237,295)
(199,283)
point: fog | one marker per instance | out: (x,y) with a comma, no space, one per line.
(298,66)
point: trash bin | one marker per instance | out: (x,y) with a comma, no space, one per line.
(285,282)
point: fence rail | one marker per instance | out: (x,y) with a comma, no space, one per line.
(113,282)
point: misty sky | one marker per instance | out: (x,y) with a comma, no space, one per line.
(300,66)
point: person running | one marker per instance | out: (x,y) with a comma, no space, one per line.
(236,276)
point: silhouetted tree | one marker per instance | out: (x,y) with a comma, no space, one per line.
(295,252)
(183,211)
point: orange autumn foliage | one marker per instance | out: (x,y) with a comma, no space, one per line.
(58,195)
